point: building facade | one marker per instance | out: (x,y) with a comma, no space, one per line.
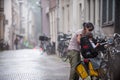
(107,18)
(12,21)
(27,23)
(30,29)
(2,19)
(45,17)
(18,21)
(74,12)
(53,19)
(67,16)
(8,32)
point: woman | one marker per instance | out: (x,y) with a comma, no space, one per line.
(74,49)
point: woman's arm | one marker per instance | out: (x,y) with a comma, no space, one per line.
(78,38)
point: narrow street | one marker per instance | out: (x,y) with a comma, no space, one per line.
(29,26)
(32,65)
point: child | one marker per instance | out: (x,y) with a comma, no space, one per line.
(88,46)
(89,52)
(92,40)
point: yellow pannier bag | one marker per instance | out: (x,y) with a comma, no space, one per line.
(80,68)
(92,72)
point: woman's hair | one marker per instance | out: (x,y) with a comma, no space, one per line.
(84,24)
(88,25)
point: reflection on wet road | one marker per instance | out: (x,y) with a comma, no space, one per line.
(32,65)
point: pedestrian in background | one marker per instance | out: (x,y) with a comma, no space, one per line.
(16,42)
(74,49)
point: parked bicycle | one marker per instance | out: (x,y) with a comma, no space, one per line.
(50,47)
(47,45)
(63,42)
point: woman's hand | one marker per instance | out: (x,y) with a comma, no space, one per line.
(78,38)
(97,44)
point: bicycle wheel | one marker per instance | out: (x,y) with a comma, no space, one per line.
(117,42)
(64,59)
(103,71)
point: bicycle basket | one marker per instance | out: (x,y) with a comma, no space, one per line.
(92,72)
(81,70)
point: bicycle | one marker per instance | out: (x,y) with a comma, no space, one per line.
(63,42)
(107,64)
(50,48)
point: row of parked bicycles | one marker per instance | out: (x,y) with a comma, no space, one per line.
(3,45)
(108,59)
(108,55)
(49,47)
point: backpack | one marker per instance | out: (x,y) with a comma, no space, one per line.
(87,49)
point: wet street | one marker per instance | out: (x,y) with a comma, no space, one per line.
(32,65)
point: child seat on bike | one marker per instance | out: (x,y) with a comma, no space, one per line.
(86,70)
(88,46)
(81,69)
(88,50)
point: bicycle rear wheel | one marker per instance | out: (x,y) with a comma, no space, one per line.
(64,59)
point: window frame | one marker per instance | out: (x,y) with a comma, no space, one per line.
(1,5)
(108,22)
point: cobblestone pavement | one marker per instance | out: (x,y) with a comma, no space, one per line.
(32,65)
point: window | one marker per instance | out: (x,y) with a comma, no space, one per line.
(108,12)
(89,10)
(1,5)
(104,14)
